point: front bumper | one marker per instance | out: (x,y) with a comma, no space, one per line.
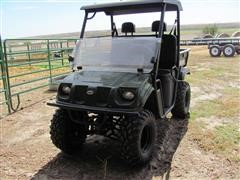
(77,107)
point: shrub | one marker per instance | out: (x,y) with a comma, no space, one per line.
(210,29)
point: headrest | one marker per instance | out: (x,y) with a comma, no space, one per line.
(155,26)
(128,27)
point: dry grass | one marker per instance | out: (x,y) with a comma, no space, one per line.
(215,115)
(223,140)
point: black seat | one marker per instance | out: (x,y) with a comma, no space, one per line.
(128,27)
(168,56)
(167,62)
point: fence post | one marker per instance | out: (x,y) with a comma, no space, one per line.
(49,61)
(29,56)
(67,44)
(5,79)
(3,75)
(61,46)
(10,51)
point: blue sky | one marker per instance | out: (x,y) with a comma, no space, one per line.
(22,18)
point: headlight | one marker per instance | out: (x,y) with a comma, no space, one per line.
(128,95)
(66,90)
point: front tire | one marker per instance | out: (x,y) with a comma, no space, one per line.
(139,134)
(65,134)
(182,104)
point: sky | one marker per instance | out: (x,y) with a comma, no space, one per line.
(23,18)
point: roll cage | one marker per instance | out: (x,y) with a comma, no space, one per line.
(134,7)
(143,6)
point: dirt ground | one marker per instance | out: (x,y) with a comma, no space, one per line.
(26,151)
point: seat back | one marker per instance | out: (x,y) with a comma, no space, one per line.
(168,56)
(128,27)
(155,26)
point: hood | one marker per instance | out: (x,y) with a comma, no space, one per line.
(104,89)
(107,79)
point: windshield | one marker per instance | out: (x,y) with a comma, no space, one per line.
(116,54)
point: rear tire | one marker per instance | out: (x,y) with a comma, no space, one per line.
(139,134)
(65,134)
(229,50)
(182,104)
(215,51)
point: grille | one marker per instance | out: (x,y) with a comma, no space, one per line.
(102,96)
(98,98)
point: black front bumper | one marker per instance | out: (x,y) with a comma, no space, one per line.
(77,107)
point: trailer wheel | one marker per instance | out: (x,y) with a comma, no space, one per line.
(229,50)
(215,51)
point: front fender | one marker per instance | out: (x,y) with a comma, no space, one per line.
(145,92)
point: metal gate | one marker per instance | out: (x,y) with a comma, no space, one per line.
(28,65)
(4,100)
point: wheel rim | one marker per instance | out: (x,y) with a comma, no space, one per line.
(228,51)
(215,51)
(146,139)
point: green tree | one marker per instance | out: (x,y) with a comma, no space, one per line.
(210,29)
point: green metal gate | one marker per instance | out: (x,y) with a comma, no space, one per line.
(31,64)
(4,100)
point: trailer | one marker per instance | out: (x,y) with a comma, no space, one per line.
(228,46)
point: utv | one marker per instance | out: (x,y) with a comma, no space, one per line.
(123,84)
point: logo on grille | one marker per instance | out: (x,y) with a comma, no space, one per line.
(90,92)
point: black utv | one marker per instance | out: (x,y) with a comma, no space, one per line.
(122,84)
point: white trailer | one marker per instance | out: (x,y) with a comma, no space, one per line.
(228,46)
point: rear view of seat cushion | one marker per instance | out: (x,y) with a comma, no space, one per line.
(128,27)
(168,55)
(155,26)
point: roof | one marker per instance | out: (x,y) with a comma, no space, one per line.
(133,6)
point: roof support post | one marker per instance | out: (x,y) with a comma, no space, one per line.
(178,37)
(160,33)
(161,24)
(112,28)
(84,25)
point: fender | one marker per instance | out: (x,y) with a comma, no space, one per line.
(149,101)
(144,93)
